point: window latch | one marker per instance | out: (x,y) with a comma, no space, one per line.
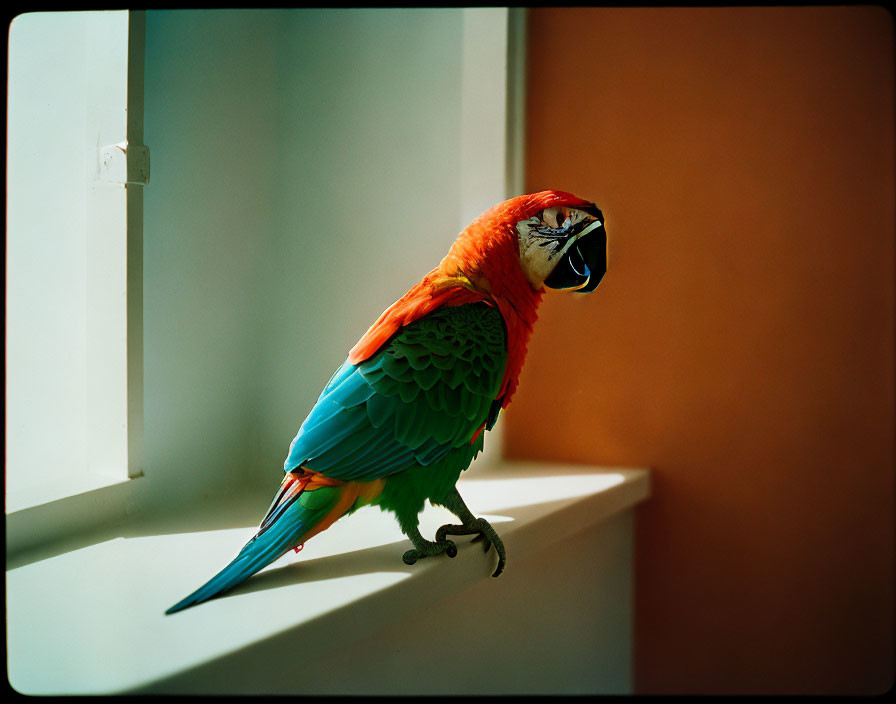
(125,163)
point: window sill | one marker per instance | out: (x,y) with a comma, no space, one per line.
(95,614)
(63,487)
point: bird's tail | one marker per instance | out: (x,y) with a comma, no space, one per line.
(306,504)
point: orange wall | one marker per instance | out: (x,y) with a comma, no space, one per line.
(741,344)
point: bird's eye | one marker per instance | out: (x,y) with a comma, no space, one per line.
(553,218)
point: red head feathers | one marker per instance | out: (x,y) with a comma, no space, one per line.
(483,264)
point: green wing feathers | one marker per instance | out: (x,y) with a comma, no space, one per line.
(425,393)
(439,375)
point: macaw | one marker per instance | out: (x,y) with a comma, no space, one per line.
(405,414)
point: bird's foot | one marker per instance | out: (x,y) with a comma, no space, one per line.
(427,548)
(484,532)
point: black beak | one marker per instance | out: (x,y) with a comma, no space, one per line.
(583,265)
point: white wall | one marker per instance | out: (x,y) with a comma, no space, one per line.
(210,82)
(305,174)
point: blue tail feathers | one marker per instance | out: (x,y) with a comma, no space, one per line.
(284,533)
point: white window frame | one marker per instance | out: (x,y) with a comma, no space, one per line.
(116,168)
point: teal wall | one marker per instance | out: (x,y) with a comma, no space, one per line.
(305,172)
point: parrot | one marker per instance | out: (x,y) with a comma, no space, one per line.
(407,411)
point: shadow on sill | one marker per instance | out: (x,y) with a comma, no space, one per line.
(215,513)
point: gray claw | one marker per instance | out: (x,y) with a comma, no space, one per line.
(484,531)
(429,549)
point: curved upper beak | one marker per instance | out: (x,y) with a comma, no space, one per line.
(584,261)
